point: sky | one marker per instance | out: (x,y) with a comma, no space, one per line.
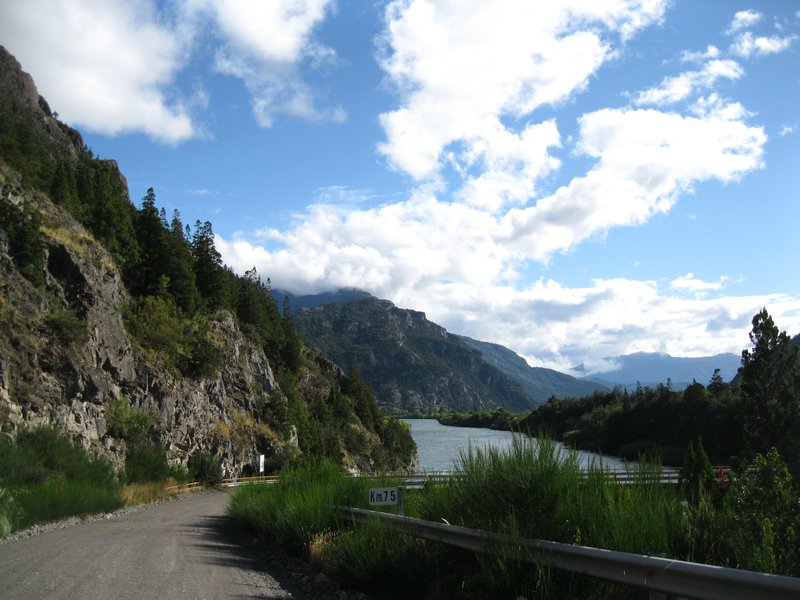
(573,179)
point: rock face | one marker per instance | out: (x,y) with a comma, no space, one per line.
(413,365)
(65,355)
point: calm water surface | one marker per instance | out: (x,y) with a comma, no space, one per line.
(439,445)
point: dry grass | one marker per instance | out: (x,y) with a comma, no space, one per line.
(319,547)
(143,493)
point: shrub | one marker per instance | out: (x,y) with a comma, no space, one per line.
(21,224)
(205,467)
(145,461)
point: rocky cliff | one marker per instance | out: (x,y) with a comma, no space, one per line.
(65,353)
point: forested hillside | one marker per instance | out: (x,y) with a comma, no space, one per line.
(108,307)
(733,422)
(414,365)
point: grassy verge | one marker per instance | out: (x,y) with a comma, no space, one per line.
(44,477)
(47,478)
(529,490)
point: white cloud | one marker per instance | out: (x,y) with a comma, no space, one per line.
(698,57)
(680,87)
(106,65)
(787,130)
(264,44)
(689,283)
(747,45)
(645,158)
(743,20)
(461,68)
(466,93)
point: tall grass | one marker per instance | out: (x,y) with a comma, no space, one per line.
(302,506)
(47,477)
(529,490)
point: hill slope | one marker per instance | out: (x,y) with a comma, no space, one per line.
(540,383)
(413,365)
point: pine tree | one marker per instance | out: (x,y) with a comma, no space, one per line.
(770,375)
(208,267)
(179,267)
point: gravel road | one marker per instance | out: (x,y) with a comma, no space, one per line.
(186,548)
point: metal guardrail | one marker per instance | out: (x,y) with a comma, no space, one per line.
(658,575)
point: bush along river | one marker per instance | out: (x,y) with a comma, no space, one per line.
(439,446)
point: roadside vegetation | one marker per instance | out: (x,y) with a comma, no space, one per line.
(530,490)
(747,519)
(45,477)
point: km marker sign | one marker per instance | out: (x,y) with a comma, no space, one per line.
(388,496)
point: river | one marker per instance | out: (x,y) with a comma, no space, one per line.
(438,445)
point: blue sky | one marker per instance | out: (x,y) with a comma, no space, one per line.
(573,180)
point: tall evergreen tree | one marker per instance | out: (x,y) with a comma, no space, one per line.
(208,267)
(154,249)
(770,375)
(180,268)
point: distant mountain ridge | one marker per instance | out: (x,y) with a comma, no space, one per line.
(362,341)
(652,368)
(541,383)
(412,364)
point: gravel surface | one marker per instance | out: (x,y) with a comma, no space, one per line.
(181,548)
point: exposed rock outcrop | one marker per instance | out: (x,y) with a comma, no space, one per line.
(65,354)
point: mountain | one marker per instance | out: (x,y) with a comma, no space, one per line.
(540,383)
(651,369)
(412,364)
(110,317)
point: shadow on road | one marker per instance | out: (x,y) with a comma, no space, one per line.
(222,541)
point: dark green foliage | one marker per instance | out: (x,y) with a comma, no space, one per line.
(291,347)
(624,424)
(21,224)
(753,523)
(42,453)
(697,474)
(208,268)
(185,346)
(152,237)
(50,478)
(23,146)
(205,467)
(258,312)
(364,404)
(179,267)
(398,447)
(770,376)
(126,422)
(106,210)
(203,359)
(145,461)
